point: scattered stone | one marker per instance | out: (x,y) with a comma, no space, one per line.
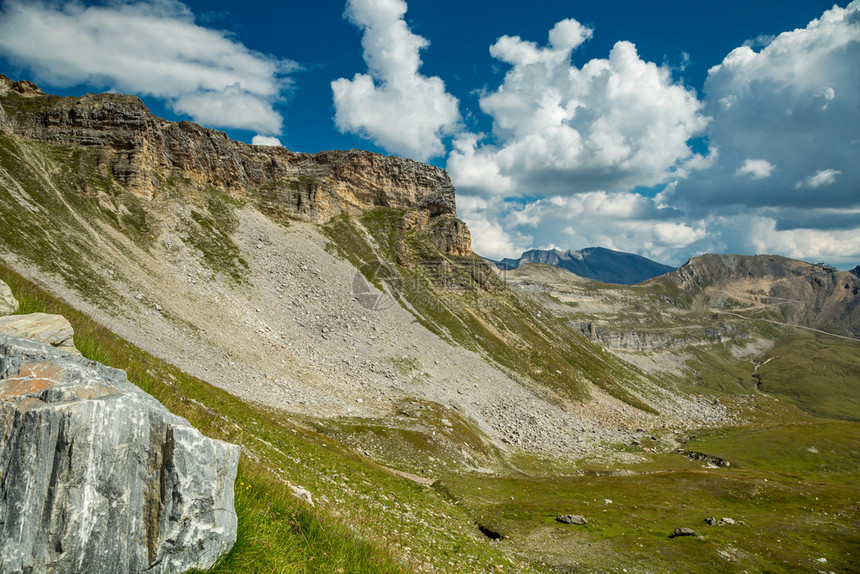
(706,458)
(577,519)
(54,330)
(728,521)
(8,303)
(711,521)
(685,532)
(636,442)
(302,494)
(100,474)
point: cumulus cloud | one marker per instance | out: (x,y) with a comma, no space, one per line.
(149,49)
(393,105)
(615,123)
(793,100)
(756,168)
(820,178)
(266,141)
(570,145)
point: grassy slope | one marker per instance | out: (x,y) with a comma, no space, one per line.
(792,490)
(365,516)
(817,373)
(457,299)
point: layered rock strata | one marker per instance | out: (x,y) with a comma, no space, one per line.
(147,155)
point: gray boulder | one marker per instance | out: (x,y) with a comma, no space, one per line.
(8,303)
(577,519)
(54,330)
(97,476)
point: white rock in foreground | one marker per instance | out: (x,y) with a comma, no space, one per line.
(8,303)
(97,476)
(54,330)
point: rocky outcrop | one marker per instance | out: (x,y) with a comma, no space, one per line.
(654,340)
(147,155)
(54,330)
(450,235)
(99,476)
(8,303)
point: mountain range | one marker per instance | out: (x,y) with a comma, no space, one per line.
(326,312)
(596,263)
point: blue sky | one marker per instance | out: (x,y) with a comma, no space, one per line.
(663,128)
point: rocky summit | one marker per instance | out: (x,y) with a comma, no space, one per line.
(125,141)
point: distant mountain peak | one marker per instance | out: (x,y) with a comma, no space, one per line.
(598,263)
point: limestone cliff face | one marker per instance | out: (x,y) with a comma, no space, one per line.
(145,153)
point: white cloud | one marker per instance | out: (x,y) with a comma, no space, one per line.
(835,246)
(266,141)
(756,168)
(615,123)
(820,178)
(579,139)
(623,221)
(393,104)
(793,99)
(149,49)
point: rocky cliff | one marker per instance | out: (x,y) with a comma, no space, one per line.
(148,155)
(99,476)
(655,339)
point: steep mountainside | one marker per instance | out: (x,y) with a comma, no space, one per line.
(189,244)
(769,286)
(118,143)
(595,263)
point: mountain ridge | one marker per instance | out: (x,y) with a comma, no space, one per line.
(795,292)
(367,327)
(597,263)
(123,142)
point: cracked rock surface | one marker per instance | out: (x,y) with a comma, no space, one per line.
(95,473)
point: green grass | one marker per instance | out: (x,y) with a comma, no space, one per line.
(817,373)
(277,535)
(365,517)
(791,506)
